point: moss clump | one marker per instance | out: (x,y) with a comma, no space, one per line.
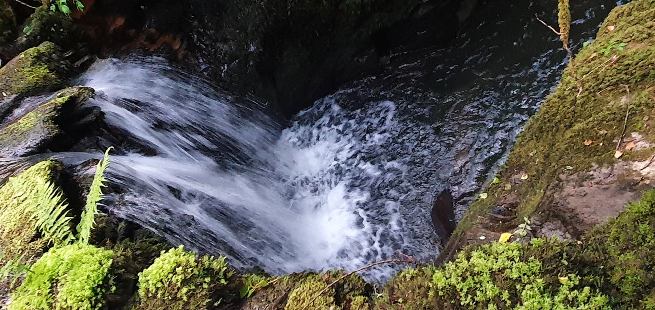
(21,198)
(37,69)
(410,289)
(181,280)
(306,295)
(499,275)
(590,103)
(625,248)
(38,128)
(70,277)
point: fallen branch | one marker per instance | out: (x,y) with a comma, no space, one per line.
(544,23)
(405,260)
(625,121)
(27,5)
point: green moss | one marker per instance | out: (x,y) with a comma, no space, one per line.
(181,280)
(625,248)
(590,103)
(410,289)
(37,69)
(499,275)
(71,277)
(36,129)
(359,303)
(312,293)
(20,198)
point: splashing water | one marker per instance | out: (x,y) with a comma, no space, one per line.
(225,179)
(350,181)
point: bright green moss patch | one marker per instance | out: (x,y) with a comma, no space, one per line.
(181,280)
(22,198)
(37,69)
(70,277)
(610,76)
(499,275)
(306,295)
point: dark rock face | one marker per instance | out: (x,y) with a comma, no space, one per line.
(292,52)
(443,215)
(7,22)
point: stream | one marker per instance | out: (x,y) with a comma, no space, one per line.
(349,180)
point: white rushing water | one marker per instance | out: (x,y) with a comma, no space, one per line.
(223,178)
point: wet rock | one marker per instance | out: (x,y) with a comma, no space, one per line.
(38,69)
(292,52)
(41,128)
(443,215)
(7,22)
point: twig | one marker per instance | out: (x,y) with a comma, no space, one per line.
(27,5)
(650,161)
(625,121)
(405,260)
(549,27)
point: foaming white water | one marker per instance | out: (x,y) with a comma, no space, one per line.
(219,177)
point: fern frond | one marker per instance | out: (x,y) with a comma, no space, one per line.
(31,203)
(54,222)
(92,199)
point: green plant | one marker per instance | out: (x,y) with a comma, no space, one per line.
(30,203)
(611,46)
(499,276)
(69,277)
(181,280)
(87,221)
(63,6)
(251,283)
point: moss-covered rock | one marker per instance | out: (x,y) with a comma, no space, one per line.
(7,22)
(38,129)
(24,195)
(578,128)
(301,291)
(181,280)
(40,68)
(70,277)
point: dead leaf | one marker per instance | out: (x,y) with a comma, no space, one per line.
(504,237)
(508,186)
(588,142)
(631,145)
(602,132)
(611,27)
(618,154)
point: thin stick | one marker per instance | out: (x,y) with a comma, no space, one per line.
(27,5)
(405,260)
(625,121)
(650,161)
(544,23)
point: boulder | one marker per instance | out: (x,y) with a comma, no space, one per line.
(40,68)
(39,129)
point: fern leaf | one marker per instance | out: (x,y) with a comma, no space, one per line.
(93,198)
